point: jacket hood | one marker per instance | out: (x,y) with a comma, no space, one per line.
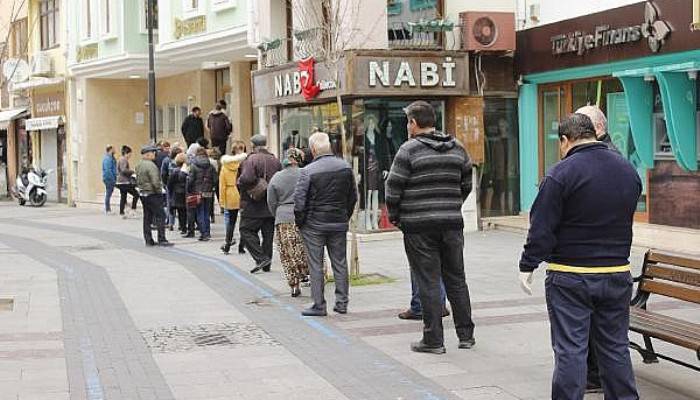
(216,113)
(438,141)
(231,163)
(202,162)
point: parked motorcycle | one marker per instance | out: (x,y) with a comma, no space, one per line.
(31,187)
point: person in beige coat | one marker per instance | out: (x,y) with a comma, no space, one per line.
(229,198)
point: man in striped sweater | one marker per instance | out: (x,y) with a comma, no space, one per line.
(429,180)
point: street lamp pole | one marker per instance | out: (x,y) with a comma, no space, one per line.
(150,16)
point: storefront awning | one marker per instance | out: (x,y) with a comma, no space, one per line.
(37,124)
(9,115)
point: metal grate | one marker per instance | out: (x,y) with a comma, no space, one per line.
(192,337)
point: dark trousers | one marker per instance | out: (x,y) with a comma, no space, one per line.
(109,189)
(581,305)
(191,220)
(336,243)
(123,191)
(432,256)
(250,229)
(416,307)
(181,214)
(230,218)
(221,145)
(153,214)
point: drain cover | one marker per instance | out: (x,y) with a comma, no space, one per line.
(191,337)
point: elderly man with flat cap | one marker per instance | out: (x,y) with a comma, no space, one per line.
(151,191)
(255,173)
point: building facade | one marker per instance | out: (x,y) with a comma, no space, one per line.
(384,56)
(639,64)
(201,56)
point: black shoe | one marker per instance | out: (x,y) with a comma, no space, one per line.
(226,248)
(204,238)
(420,347)
(150,243)
(165,243)
(241,250)
(265,265)
(593,387)
(410,315)
(296,291)
(340,309)
(467,343)
(188,235)
(314,312)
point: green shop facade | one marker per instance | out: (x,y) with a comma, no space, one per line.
(639,64)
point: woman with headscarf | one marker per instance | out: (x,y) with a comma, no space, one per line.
(280,200)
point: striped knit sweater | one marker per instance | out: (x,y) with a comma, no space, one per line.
(429,180)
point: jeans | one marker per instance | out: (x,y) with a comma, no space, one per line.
(125,189)
(336,243)
(434,256)
(580,305)
(230,217)
(415,298)
(249,228)
(153,214)
(109,189)
(203,218)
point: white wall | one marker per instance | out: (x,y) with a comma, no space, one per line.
(557,10)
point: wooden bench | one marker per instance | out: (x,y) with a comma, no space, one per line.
(670,275)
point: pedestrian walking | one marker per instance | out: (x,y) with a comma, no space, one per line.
(200,188)
(219,127)
(109,176)
(429,180)
(585,238)
(256,219)
(280,199)
(151,191)
(600,123)
(126,181)
(229,197)
(193,127)
(324,200)
(177,190)
(214,157)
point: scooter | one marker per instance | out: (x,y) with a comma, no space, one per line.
(31,187)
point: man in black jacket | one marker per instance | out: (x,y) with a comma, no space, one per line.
(324,200)
(193,127)
(581,225)
(428,183)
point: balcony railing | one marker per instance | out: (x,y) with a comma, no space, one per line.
(436,34)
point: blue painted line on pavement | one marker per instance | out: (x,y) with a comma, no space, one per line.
(222,265)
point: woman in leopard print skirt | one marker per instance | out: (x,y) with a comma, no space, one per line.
(280,199)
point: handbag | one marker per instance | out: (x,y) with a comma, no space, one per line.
(259,191)
(193,200)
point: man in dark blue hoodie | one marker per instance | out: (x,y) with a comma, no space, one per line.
(581,225)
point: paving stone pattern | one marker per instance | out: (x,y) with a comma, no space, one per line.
(192,337)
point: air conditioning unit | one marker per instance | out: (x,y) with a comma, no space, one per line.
(42,65)
(488,31)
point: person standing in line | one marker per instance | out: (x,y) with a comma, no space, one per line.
(126,182)
(324,201)
(177,189)
(200,183)
(165,169)
(255,173)
(109,176)
(280,199)
(600,123)
(229,197)
(585,238)
(193,127)
(219,127)
(151,190)
(214,157)
(162,154)
(415,310)
(429,180)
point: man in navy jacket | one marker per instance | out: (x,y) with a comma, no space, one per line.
(581,225)
(109,176)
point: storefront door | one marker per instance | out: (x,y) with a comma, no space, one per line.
(555,103)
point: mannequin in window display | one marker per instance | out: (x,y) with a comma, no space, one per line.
(377,164)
